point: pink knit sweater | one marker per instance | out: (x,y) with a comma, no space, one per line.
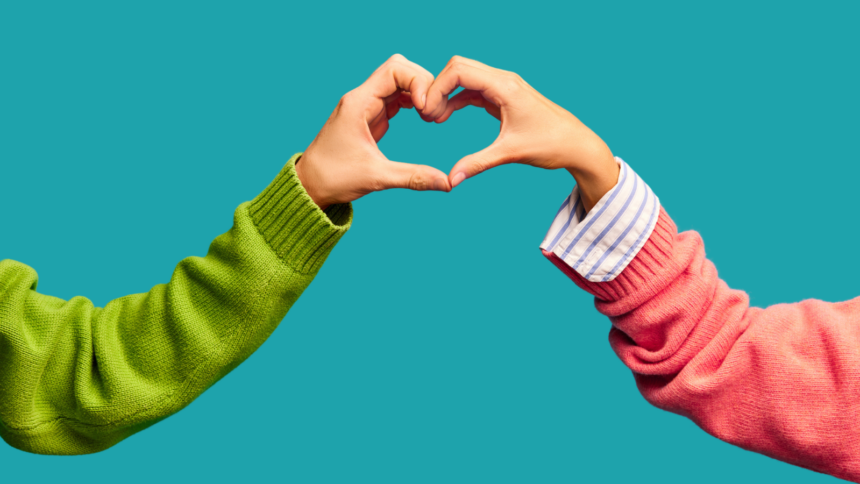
(783,381)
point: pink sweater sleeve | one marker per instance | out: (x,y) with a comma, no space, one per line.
(783,381)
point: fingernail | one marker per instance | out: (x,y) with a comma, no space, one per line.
(458,178)
(440,185)
(423,101)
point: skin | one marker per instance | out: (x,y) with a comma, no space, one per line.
(534,130)
(343,163)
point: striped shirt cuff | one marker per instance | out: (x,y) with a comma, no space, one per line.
(600,245)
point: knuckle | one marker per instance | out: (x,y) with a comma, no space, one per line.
(513,75)
(418,181)
(512,83)
(478,165)
(511,79)
(396,61)
(348,99)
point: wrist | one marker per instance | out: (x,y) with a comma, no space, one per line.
(595,175)
(308,183)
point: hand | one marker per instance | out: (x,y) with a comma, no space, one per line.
(343,163)
(534,130)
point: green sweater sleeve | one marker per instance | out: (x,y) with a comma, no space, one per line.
(77,379)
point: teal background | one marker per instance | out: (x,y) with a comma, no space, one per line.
(436,345)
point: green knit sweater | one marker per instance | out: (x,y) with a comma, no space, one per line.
(77,379)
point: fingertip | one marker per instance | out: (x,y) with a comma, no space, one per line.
(457,179)
(441,185)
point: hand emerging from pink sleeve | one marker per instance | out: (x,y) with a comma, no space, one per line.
(534,130)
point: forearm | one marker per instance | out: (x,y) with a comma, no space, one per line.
(78,379)
(781,381)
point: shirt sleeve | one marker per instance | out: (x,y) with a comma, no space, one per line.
(600,244)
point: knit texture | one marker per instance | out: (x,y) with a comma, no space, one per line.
(783,381)
(77,379)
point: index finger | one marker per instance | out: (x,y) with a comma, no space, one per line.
(399,73)
(469,74)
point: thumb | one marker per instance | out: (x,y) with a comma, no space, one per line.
(414,177)
(469,166)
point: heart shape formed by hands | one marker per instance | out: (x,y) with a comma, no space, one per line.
(344,163)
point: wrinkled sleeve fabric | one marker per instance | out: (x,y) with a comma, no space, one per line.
(600,244)
(77,379)
(783,381)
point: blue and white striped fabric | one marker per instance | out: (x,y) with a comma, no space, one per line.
(600,245)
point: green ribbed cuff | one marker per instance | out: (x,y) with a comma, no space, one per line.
(293,225)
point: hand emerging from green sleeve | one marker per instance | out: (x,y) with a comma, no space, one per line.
(343,163)
(77,379)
